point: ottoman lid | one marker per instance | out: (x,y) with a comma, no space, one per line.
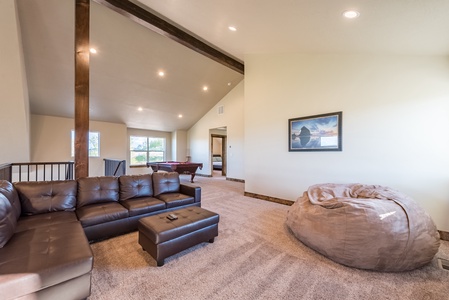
(160,229)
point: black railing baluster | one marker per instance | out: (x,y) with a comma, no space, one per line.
(7,170)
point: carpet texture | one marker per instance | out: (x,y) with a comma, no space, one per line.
(254,257)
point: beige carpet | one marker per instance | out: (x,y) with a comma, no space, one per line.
(253,257)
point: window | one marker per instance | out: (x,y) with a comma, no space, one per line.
(94,143)
(146,149)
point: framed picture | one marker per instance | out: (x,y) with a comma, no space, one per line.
(315,133)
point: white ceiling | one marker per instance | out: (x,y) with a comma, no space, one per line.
(290,26)
(124,71)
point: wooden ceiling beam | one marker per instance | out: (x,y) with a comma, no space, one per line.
(160,26)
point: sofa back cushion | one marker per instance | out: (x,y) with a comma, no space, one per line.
(8,190)
(135,186)
(8,220)
(92,190)
(39,197)
(165,182)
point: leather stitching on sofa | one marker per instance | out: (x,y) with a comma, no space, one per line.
(45,226)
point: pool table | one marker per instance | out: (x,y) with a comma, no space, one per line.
(176,166)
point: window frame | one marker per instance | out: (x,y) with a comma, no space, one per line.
(72,148)
(148,150)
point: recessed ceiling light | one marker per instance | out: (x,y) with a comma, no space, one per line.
(205,88)
(161,74)
(93,50)
(140,109)
(232,28)
(179,116)
(229,83)
(351,14)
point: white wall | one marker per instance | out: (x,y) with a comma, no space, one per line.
(14,112)
(395,124)
(199,139)
(51,141)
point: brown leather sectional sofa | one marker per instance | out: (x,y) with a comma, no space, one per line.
(45,227)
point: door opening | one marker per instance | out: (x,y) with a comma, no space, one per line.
(218,153)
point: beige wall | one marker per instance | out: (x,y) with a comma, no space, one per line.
(179,145)
(51,141)
(217,146)
(199,138)
(14,112)
(395,122)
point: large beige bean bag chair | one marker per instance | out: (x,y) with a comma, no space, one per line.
(364,226)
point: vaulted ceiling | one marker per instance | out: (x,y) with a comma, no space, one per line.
(124,71)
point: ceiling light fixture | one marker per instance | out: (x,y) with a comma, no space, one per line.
(93,50)
(180,116)
(140,109)
(161,74)
(205,88)
(232,28)
(351,14)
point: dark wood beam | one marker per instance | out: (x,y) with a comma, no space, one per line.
(158,25)
(82,12)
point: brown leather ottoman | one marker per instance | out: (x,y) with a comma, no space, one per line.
(162,237)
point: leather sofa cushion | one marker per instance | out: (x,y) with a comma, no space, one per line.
(134,186)
(176,199)
(101,213)
(19,286)
(56,253)
(93,190)
(165,182)
(143,205)
(8,190)
(8,220)
(53,218)
(46,196)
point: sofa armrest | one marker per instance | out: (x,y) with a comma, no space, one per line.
(190,190)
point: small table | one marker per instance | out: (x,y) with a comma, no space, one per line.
(176,166)
(162,237)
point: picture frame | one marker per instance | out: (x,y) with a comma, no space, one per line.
(316,133)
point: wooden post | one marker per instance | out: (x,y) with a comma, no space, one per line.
(82,11)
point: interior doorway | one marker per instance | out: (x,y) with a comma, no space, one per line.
(218,151)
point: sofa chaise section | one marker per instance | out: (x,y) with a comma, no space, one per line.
(59,254)
(45,253)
